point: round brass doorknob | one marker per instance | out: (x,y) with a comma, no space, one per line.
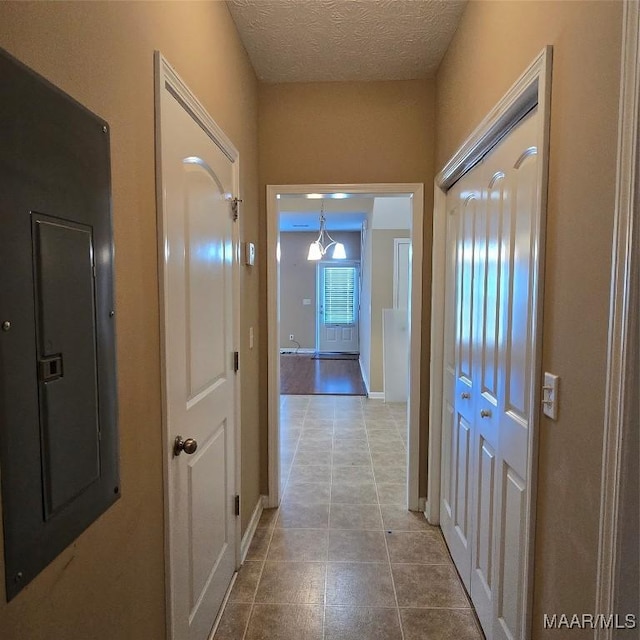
(485,413)
(189,446)
(465,395)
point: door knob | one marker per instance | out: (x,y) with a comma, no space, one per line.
(189,446)
(485,413)
(465,395)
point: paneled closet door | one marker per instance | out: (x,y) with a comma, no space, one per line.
(517,157)
(489,376)
(463,204)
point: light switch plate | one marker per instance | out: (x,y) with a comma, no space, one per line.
(550,395)
(250,254)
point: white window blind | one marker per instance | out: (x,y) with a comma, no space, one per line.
(339,295)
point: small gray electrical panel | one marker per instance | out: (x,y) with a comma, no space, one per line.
(58,411)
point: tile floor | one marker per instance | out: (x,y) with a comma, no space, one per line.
(342,559)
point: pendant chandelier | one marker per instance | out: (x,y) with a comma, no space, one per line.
(318,248)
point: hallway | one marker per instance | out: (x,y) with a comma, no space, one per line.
(342,559)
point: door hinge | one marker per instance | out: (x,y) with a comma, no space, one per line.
(234,207)
(236,361)
(237,505)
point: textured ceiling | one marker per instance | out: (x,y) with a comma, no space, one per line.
(324,40)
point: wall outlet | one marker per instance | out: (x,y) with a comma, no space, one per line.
(291,336)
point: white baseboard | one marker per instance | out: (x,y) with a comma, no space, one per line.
(376,395)
(251,529)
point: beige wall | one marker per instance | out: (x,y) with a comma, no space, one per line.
(351,132)
(109,584)
(298,281)
(494,43)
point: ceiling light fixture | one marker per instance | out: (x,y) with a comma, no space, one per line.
(318,248)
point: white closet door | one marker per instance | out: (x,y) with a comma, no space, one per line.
(517,157)
(489,374)
(463,202)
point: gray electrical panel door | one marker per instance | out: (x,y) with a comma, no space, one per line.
(58,413)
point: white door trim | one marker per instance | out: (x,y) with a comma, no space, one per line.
(531,89)
(167,78)
(416,192)
(621,344)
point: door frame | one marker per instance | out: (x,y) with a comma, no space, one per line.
(531,89)
(167,78)
(622,344)
(415,502)
(338,263)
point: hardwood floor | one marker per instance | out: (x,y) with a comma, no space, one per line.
(302,375)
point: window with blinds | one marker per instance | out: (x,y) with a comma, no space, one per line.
(339,295)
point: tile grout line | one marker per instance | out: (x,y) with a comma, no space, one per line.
(326,564)
(273,528)
(386,546)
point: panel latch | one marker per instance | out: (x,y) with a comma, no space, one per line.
(50,368)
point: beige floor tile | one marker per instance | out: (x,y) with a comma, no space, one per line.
(285,622)
(349,426)
(419,547)
(345,440)
(291,418)
(373,425)
(319,420)
(355,517)
(308,492)
(259,544)
(292,583)
(359,584)
(299,545)
(346,473)
(313,447)
(233,621)
(317,438)
(347,545)
(310,473)
(392,493)
(360,623)
(389,458)
(439,624)
(419,585)
(398,518)
(352,457)
(310,457)
(289,437)
(354,493)
(303,516)
(384,473)
(392,445)
(244,588)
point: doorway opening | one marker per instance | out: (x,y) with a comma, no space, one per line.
(282,201)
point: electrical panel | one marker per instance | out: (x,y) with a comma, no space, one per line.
(58,409)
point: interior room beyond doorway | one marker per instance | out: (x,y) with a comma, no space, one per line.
(335,330)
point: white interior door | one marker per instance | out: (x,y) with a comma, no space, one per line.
(338,307)
(197,183)
(489,376)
